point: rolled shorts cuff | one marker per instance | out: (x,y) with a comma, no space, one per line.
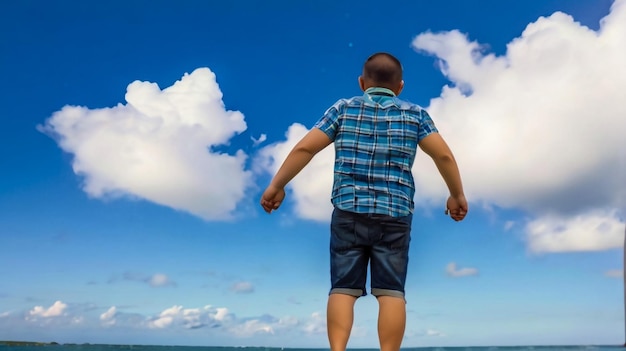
(386,292)
(347,291)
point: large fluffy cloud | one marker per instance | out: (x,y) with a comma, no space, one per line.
(311,188)
(539,129)
(542,127)
(159,146)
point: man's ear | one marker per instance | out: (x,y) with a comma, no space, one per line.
(361,83)
(400,87)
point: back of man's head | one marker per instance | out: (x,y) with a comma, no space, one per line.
(383,70)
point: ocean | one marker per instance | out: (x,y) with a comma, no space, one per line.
(89,347)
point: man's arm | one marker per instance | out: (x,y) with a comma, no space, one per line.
(301,154)
(435,147)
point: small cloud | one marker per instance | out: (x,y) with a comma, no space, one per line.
(453,271)
(5,314)
(242,288)
(55,310)
(108,317)
(433,332)
(158,280)
(189,318)
(155,280)
(614,273)
(260,140)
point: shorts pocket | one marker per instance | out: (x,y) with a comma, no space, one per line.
(396,234)
(342,230)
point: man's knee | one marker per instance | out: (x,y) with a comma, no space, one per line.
(388,293)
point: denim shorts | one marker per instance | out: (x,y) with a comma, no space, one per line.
(359,239)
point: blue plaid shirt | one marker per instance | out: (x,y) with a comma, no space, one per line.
(376,138)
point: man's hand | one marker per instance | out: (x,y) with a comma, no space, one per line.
(301,154)
(272,198)
(457,207)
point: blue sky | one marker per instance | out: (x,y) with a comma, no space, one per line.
(137,137)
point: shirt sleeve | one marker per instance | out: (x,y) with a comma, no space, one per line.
(427,126)
(329,123)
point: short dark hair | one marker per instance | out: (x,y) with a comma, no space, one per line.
(383,69)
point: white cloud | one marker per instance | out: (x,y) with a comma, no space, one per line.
(162,322)
(540,128)
(156,280)
(166,318)
(453,271)
(316,324)
(260,140)
(159,146)
(242,287)
(312,187)
(222,321)
(193,318)
(433,332)
(251,327)
(160,280)
(55,310)
(424,333)
(108,317)
(221,313)
(218,322)
(289,321)
(591,231)
(189,318)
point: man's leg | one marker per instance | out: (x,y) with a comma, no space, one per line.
(389,262)
(391,322)
(339,317)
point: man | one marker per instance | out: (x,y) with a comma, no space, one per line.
(376,138)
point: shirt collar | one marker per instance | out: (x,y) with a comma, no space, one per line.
(379,91)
